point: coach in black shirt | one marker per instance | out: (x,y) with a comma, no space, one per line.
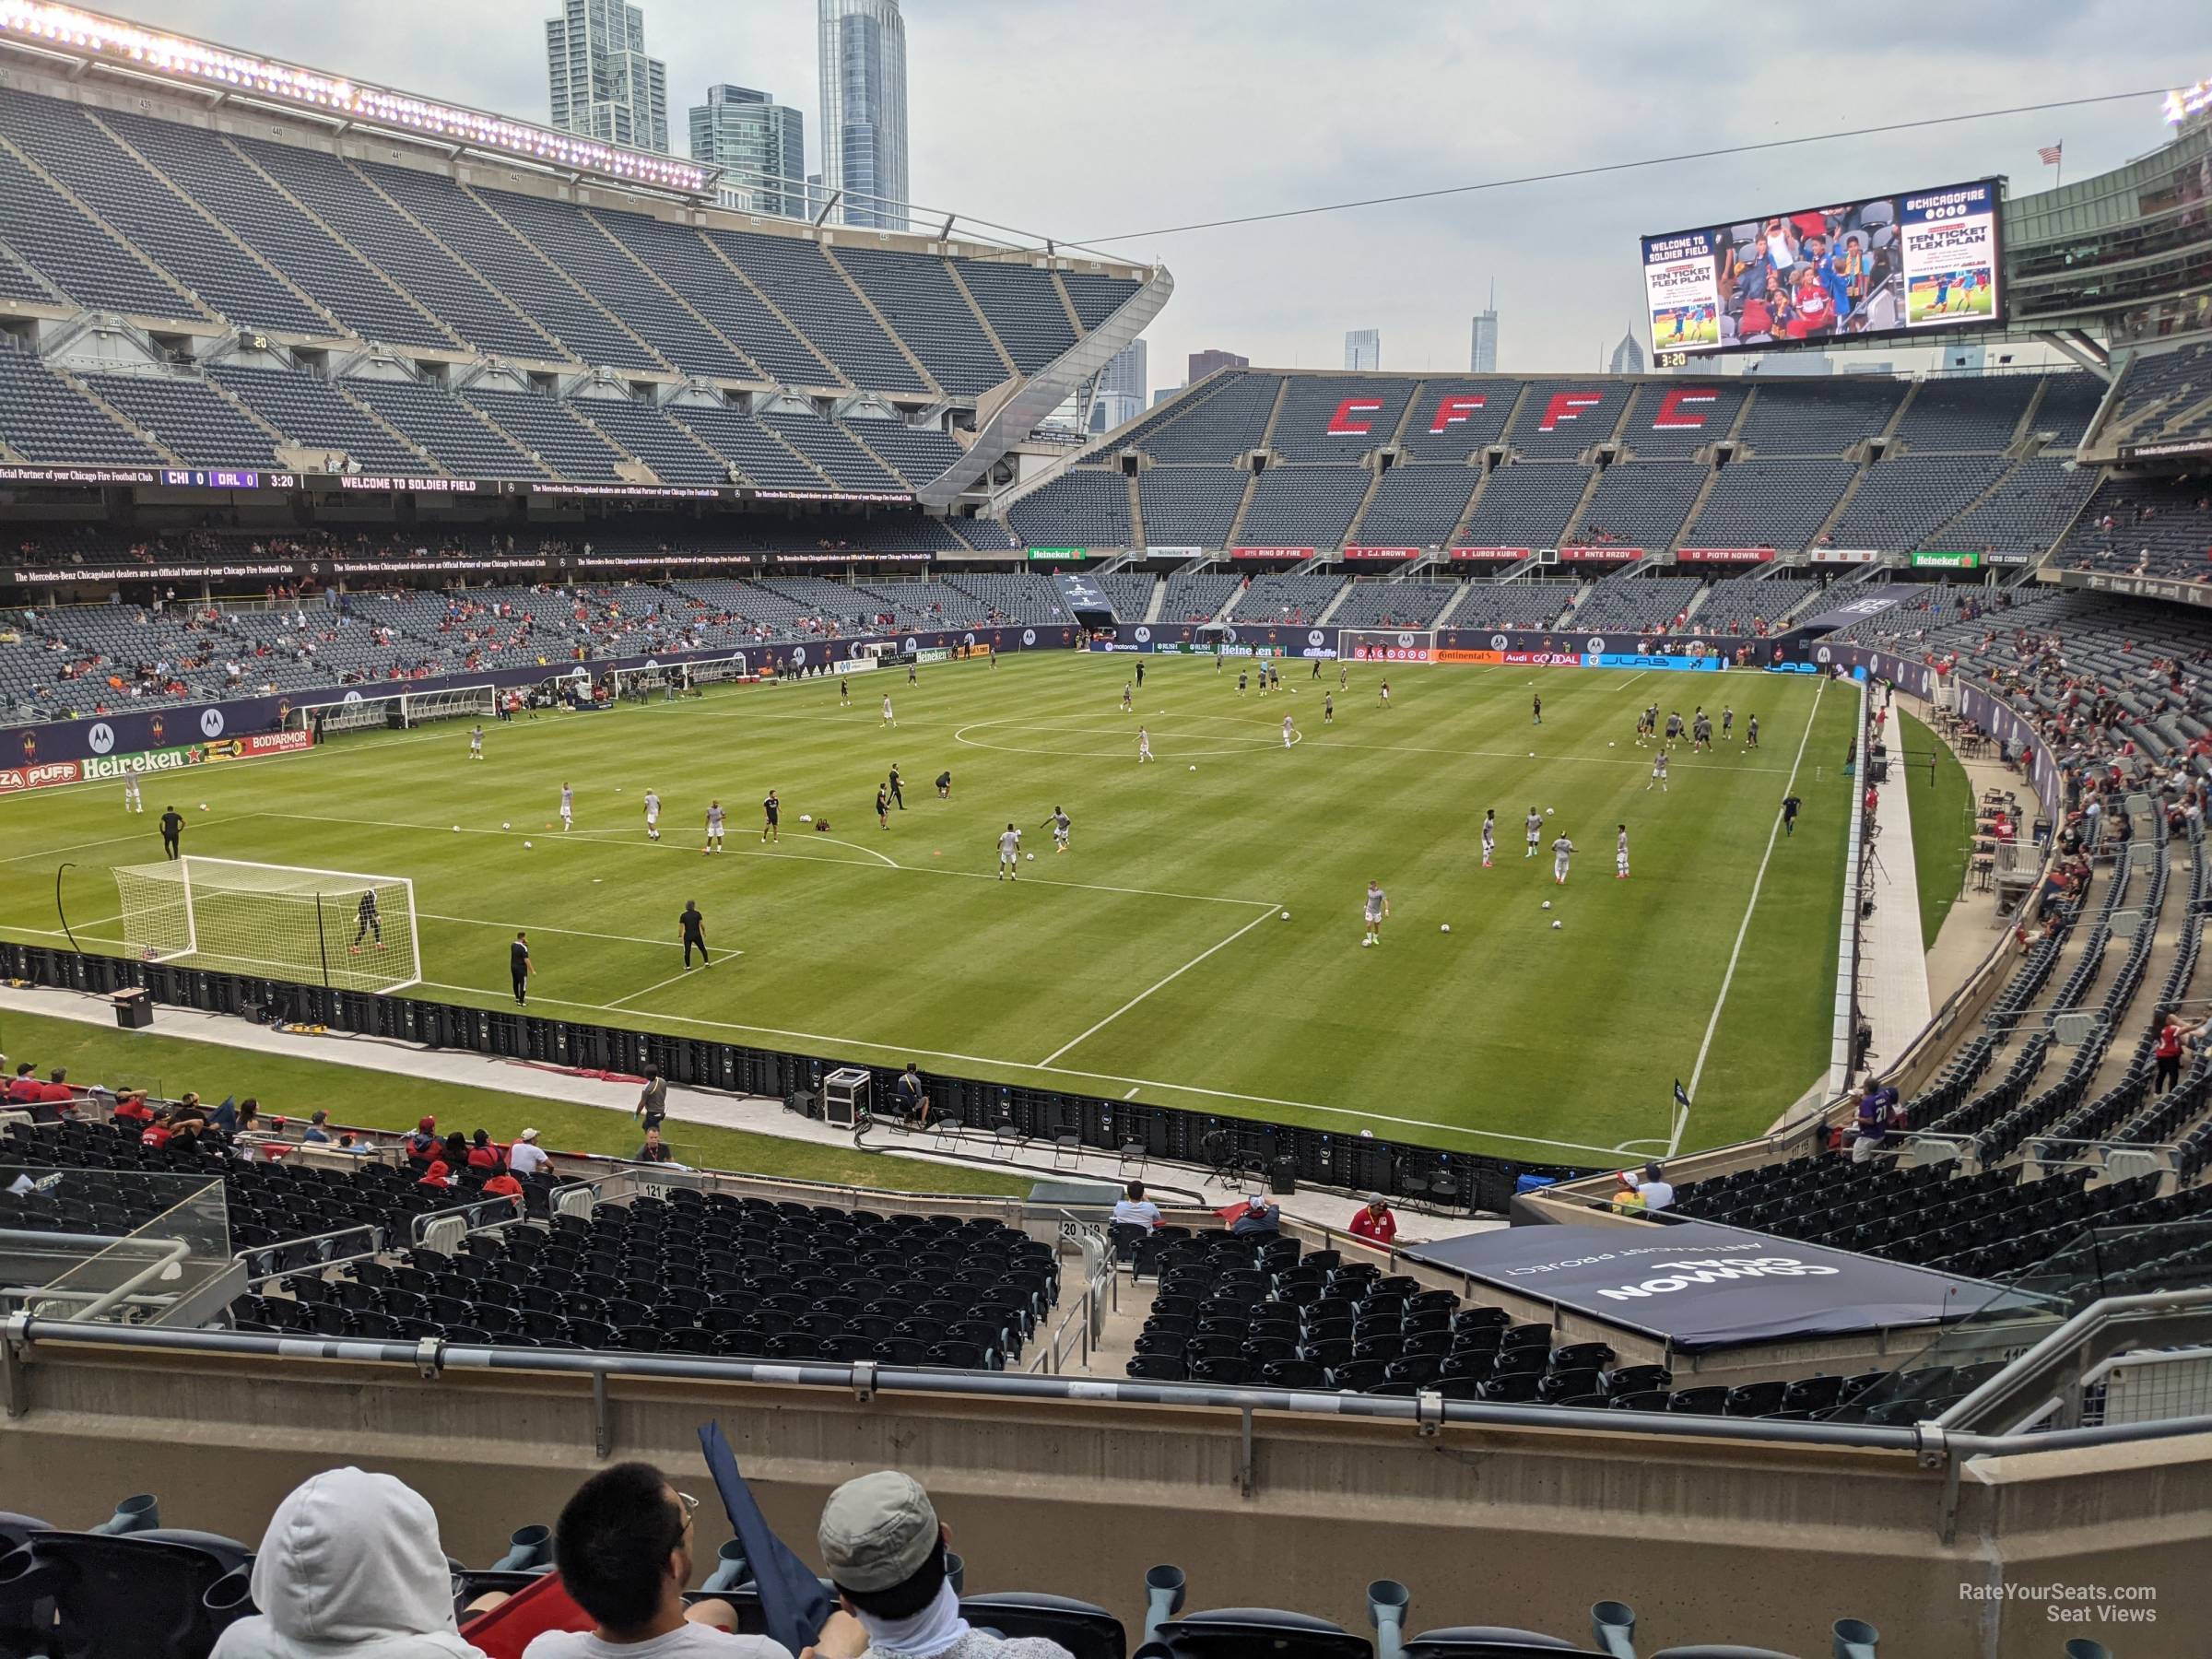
(693,926)
(518,960)
(173,827)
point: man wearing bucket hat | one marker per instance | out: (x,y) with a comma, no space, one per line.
(887,1553)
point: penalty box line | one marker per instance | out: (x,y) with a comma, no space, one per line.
(910,1051)
(1158,984)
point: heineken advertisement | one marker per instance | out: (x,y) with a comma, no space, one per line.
(1946,561)
(1059,553)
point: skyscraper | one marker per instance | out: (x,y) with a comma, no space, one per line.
(760,146)
(1363,348)
(1483,356)
(603,85)
(1204,363)
(863,58)
(1628,356)
(1120,394)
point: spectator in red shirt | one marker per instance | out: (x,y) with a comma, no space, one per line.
(1376,1223)
(2168,1054)
(435,1176)
(56,1090)
(483,1155)
(423,1145)
(25,1089)
(503,1186)
(132,1108)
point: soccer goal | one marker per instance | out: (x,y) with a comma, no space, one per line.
(396,710)
(333,927)
(672,680)
(1388,644)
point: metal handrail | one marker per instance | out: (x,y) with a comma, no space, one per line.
(171,1251)
(2069,1336)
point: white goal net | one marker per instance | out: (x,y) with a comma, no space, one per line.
(1388,644)
(333,927)
(670,680)
(397,710)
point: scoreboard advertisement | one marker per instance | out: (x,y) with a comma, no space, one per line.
(1915,263)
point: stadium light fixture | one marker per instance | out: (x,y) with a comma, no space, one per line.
(91,38)
(2185,101)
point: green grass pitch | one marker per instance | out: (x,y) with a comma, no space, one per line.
(1153,960)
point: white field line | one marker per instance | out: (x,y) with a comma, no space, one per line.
(149,833)
(1674,1144)
(1065,1071)
(634,839)
(1157,984)
(572,932)
(657,985)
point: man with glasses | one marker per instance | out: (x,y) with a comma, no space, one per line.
(625,1544)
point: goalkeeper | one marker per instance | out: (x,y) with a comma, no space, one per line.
(369,922)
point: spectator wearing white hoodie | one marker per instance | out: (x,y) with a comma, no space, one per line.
(350,1565)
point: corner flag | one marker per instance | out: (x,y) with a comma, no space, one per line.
(1681,1094)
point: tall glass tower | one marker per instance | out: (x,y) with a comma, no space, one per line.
(864,110)
(759,145)
(603,85)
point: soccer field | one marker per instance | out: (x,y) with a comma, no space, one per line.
(1154,960)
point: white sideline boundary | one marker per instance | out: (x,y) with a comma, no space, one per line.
(1674,1143)
(907,1051)
(1158,984)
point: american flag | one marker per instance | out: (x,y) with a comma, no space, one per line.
(2049,153)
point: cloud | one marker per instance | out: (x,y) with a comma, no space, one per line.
(1074,121)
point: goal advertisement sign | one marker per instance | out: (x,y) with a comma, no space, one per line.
(1388,644)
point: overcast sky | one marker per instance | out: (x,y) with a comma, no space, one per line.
(1079,120)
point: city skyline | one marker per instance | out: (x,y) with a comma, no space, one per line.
(760,146)
(862,66)
(1482,346)
(1564,253)
(1363,348)
(601,83)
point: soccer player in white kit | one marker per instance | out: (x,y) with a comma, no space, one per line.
(886,710)
(1489,836)
(1125,706)
(131,803)
(1658,773)
(1061,824)
(713,827)
(1621,854)
(476,743)
(1534,825)
(653,815)
(1562,850)
(1009,854)
(1289,733)
(568,807)
(1144,745)
(1376,908)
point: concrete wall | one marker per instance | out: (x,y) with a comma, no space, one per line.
(1757,1542)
